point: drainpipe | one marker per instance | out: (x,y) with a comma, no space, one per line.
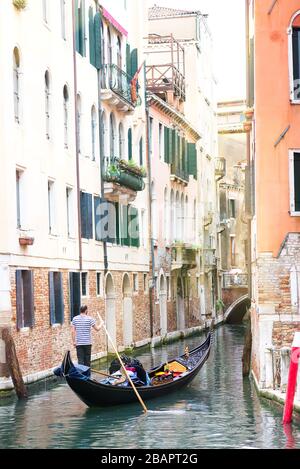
(248,145)
(77,136)
(150,227)
(102,169)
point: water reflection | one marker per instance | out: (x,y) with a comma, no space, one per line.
(219,409)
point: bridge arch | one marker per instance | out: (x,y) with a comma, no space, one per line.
(237,310)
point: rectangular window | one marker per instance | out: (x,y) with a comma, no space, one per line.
(169,294)
(70,212)
(63,18)
(86,210)
(18,198)
(74,293)
(160,140)
(295,182)
(145,278)
(151,137)
(296,63)
(135,283)
(99,284)
(232,208)
(51,208)
(232,251)
(56,298)
(24,298)
(84,284)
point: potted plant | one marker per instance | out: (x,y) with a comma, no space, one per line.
(20,4)
(220,305)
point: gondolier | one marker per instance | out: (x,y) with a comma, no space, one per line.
(82,337)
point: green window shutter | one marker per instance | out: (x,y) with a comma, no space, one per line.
(77,26)
(129,144)
(167,147)
(192,160)
(178,152)
(128,59)
(118,227)
(92,38)
(134,62)
(141,151)
(124,225)
(98,40)
(82,32)
(172,145)
(183,153)
(133,223)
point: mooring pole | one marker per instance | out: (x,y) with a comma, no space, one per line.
(13,364)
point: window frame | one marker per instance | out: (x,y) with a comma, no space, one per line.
(292,210)
(291,59)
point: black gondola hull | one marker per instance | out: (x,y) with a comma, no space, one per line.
(95,394)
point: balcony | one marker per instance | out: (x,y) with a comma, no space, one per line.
(184,256)
(116,88)
(179,175)
(220,168)
(209,259)
(122,179)
(165,74)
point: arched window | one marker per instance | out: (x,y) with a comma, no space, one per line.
(177,218)
(78,116)
(121,141)
(66,116)
(129,144)
(103,53)
(112,133)
(166,216)
(294,52)
(154,211)
(109,48)
(172,217)
(47,104)
(103,140)
(187,235)
(16,80)
(182,217)
(94,128)
(119,53)
(195,220)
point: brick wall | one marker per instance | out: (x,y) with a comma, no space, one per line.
(43,346)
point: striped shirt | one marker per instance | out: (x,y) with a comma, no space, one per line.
(83,325)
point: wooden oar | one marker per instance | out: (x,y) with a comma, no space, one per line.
(122,365)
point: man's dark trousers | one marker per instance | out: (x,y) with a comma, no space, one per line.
(84,354)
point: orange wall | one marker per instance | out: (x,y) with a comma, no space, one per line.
(273,113)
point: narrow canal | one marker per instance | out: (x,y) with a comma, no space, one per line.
(218,410)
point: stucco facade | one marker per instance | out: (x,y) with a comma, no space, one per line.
(272,140)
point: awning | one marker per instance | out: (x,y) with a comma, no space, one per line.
(114,22)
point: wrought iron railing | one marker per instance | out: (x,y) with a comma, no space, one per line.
(162,78)
(235,280)
(115,79)
(179,173)
(220,167)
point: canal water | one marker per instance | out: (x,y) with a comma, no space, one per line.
(219,409)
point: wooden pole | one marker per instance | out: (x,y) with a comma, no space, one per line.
(13,364)
(122,365)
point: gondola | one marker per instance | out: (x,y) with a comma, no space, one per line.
(96,394)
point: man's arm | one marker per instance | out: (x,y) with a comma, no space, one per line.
(97,328)
(74,335)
